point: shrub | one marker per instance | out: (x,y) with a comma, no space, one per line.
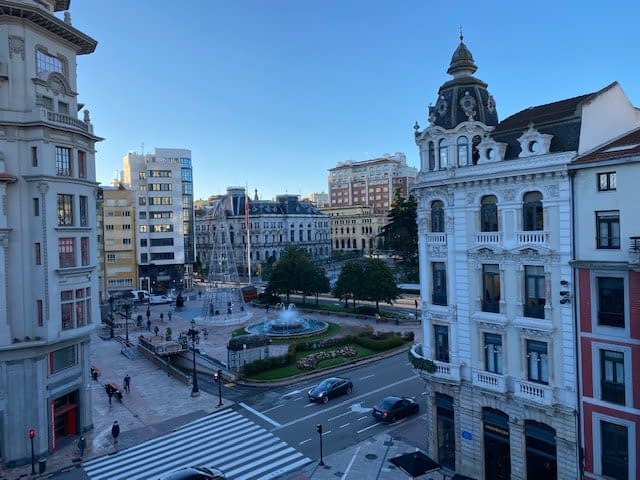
(366,310)
(258,366)
(251,341)
(311,361)
(380,343)
(408,336)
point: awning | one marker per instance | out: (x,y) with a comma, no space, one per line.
(415,464)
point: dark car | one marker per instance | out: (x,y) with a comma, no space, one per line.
(195,473)
(330,388)
(394,408)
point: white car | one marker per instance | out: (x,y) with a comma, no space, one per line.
(159,299)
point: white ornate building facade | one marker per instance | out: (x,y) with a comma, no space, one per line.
(49,281)
(495,244)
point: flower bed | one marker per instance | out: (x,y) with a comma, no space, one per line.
(311,361)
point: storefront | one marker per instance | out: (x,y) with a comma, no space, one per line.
(541,450)
(65,418)
(445,431)
(497,451)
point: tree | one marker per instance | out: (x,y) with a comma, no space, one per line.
(400,234)
(320,282)
(293,272)
(379,283)
(349,283)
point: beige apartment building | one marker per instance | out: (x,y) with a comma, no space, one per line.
(355,227)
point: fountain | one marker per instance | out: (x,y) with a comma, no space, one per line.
(288,323)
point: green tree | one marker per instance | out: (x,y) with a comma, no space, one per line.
(400,234)
(320,282)
(291,273)
(379,282)
(350,282)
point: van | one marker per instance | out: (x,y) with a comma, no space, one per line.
(140,296)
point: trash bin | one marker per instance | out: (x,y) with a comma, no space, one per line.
(42,465)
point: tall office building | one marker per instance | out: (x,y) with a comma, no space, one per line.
(162,185)
(49,281)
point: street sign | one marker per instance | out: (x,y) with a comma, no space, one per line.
(466,435)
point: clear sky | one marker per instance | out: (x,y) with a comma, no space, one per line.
(272,93)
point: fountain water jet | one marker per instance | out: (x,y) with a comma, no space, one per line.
(288,323)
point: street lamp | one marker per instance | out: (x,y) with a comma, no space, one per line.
(32,433)
(193,334)
(127,310)
(111,316)
(319,430)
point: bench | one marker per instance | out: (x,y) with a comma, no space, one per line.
(95,372)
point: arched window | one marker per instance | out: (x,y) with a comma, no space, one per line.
(442,154)
(432,157)
(437,216)
(364,244)
(532,219)
(463,151)
(489,214)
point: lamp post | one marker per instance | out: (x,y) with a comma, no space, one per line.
(110,316)
(193,334)
(319,430)
(127,311)
(32,434)
(218,377)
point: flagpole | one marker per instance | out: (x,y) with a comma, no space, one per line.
(246,223)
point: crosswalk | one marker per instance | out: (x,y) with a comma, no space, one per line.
(226,440)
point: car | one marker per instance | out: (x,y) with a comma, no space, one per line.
(195,473)
(392,408)
(159,299)
(330,388)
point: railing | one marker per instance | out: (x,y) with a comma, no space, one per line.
(634,249)
(533,311)
(533,392)
(491,306)
(488,237)
(447,371)
(439,238)
(489,381)
(437,369)
(439,299)
(67,120)
(536,237)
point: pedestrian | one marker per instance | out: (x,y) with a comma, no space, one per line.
(115,432)
(109,392)
(156,329)
(82,444)
(127,383)
(161,317)
(148,324)
(169,315)
(148,314)
(200,294)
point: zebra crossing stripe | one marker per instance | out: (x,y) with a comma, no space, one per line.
(225,440)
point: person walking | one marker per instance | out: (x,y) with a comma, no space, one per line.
(161,317)
(148,315)
(115,432)
(148,324)
(169,315)
(156,329)
(82,444)
(109,392)
(127,383)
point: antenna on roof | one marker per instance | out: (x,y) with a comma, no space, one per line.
(461,35)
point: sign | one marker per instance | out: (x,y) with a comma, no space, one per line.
(466,435)
(32,432)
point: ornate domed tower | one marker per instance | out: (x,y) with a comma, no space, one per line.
(464,97)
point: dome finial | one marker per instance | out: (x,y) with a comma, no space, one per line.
(461,35)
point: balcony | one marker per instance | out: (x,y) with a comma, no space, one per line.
(489,381)
(436,238)
(433,369)
(634,250)
(533,237)
(533,392)
(491,238)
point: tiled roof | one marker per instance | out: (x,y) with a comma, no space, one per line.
(626,146)
(541,114)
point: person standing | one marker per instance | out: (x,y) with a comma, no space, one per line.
(161,317)
(148,324)
(156,330)
(115,432)
(127,383)
(109,392)
(82,444)
(169,315)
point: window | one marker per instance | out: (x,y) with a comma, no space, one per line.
(537,362)
(614,450)
(159,187)
(606,181)
(160,215)
(38,253)
(161,228)
(612,376)
(160,242)
(36,207)
(534,300)
(66,252)
(493,353)
(442,154)
(532,218)
(441,339)
(491,288)
(463,151)
(47,103)
(162,256)
(143,229)
(63,108)
(84,250)
(160,200)
(65,210)
(159,173)
(34,156)
(608,229)
(187,175)
(111,258)
(144,258)
(439,283)
(63,162)
(47,63)
(142,215)
(142,201)
(84,211)
(62,359)
(40,313)
(432,157)
(142,187)
(437,216)
(489,214)
(66,306)
(82,164)
(610,301)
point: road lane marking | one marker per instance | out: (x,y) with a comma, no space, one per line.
(367,376)
(258,414)
(273,408)
(362,418)
(344,475)
(310,404)
(345,425)
(367,428)
(341,405)
(326,433)
(296,399)
(304,441)
(338,416)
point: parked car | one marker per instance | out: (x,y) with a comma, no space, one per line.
(139,296)
(394,408)
(195,473)
(159,299)
(330,388)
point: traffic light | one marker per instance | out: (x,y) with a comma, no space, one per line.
(216,376)
(319,428)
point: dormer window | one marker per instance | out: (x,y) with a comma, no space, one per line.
(442,152)
(463,151)
(48,63)
(532,142)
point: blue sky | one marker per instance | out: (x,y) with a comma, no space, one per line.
(272,93)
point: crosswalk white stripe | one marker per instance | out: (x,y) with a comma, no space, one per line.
(281,471)
(226,440)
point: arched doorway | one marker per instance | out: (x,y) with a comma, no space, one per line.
(497,451)
(541,450)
